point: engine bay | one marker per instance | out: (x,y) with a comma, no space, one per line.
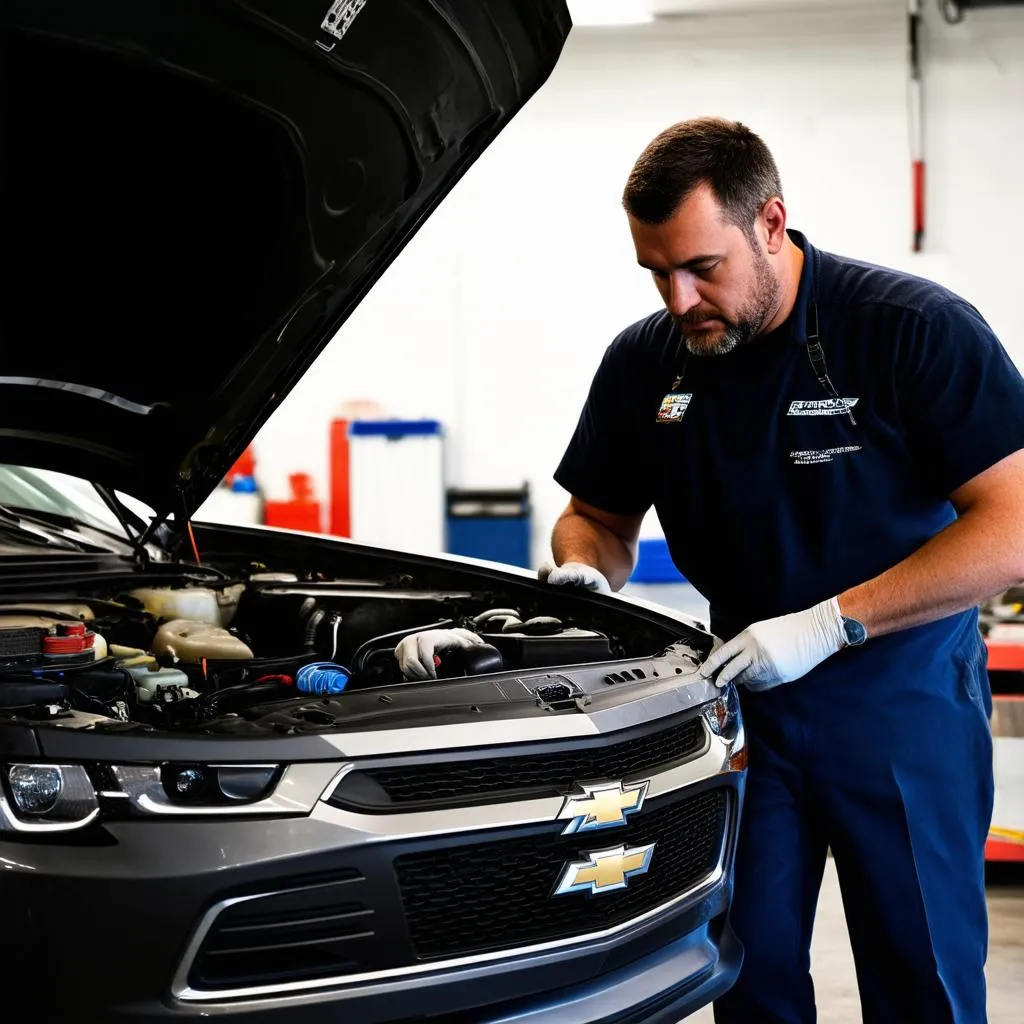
(264,651)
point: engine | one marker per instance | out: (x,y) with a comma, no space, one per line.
(183,657)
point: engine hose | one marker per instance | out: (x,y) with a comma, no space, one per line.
(484,618)
(312,625)
(284,680)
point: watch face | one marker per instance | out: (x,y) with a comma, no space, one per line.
(855,631)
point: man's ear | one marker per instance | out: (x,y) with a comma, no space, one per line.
(772,225)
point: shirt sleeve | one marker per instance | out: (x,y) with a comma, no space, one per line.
(962,397)
(606,463)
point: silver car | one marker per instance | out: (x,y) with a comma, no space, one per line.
(219,795)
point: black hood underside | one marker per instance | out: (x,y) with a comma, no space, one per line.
(195,195)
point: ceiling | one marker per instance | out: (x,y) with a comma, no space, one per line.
(632,11)
(662,8)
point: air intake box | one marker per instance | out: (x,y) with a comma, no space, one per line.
(566,647)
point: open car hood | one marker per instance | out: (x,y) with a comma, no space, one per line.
(195,196)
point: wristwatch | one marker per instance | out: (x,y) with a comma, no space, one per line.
(856,633)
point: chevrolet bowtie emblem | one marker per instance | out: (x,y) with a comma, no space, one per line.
(602,805)
(604,870)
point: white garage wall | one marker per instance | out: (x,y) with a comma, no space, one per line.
(496,314)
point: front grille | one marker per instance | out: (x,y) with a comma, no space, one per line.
(468,781)
(497,895)
(309,931)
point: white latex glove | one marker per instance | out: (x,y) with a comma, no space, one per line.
(415,653)
(778,650)
(574,574)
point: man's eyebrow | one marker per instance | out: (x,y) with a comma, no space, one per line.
(688,264)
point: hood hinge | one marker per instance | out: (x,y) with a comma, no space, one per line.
(181,529)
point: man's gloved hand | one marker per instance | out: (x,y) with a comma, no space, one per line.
(415,653)
(574,574)
(778,650)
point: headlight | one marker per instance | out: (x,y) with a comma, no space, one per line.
(35,788)
(197,789)
(217,785)
(723,714)
(47,798)
(724,720)
(63,797)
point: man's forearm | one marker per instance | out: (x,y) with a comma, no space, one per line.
(577,538)
(976,557)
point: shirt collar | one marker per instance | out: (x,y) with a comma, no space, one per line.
(806,290)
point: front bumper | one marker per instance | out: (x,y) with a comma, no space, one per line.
(114,922)
(122,915)
(111,942)
(662,988)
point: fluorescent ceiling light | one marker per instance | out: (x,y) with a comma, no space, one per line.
(610,12)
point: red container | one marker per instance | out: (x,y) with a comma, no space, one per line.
(341,506)
(301,512)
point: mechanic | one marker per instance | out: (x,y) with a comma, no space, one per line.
(835,452)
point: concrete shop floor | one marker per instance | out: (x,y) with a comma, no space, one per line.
(835,982)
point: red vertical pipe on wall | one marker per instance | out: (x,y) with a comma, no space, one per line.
(341,505)
(918,205)
(916,121)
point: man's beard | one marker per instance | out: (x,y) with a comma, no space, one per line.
(749,322)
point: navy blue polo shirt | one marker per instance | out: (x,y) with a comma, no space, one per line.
(770,498)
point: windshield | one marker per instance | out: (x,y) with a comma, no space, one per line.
(43,490)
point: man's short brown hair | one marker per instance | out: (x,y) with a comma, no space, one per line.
(726,155)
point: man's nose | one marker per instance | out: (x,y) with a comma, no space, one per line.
(682,293)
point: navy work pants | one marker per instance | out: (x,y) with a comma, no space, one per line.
(896,780)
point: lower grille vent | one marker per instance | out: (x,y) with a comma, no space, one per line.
(303,933)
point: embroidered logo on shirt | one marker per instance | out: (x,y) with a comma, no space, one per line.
(812,457)
(823,407)
(338,19)
(673,407)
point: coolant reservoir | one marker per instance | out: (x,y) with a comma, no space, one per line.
(198,604)
(151,681)
(227,601)
(195,603)
(189,641)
